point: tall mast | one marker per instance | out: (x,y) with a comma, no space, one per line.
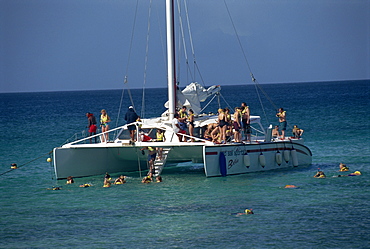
(171,74)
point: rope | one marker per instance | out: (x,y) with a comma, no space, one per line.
(142,113)
(125,81)
(259,98)
(138,160)
(237,36)
(26,163)
(249,68)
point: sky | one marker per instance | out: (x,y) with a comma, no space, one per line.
(64,45)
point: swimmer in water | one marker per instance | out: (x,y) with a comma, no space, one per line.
(120,180)
(86,185)
(343,167)
(246,212)
(290,186)
(158,179)
(146,179)
(320,174)
(70,180)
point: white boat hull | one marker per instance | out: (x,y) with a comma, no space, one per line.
(245,158)
(86,160)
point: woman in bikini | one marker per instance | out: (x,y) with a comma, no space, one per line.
(191,124)
(104,120)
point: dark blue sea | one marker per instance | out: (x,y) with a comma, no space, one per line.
(188,210)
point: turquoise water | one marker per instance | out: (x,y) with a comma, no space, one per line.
(188,210)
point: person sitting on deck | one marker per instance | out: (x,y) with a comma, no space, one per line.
(208,131)
(176,127)
(275,132)
(144,137)
(297,132)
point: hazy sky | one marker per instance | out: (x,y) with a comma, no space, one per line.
(53,45)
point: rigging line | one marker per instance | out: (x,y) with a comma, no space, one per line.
(127,65)
(183,40)
(237,36)
(146,61)
(26,163)
(192,45)
(266,95)
(214,96)
(161,36)
(259,98)
(225,101)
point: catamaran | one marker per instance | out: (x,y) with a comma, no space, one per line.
(80,158)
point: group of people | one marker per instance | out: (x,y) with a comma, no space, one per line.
(183,120)
(296,132)
(228,125)
(104,124)
(342,168)
(120,180)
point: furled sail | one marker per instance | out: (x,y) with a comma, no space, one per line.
(192,95)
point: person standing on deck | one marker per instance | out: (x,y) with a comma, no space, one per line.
(191,124)
(237,125)
(91,125)
(104,120)
(246,121)
(131,117)
(282,120)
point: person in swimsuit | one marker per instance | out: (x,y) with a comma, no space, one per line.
(120,180)
(246,121)
(222,124)
(297,132)
(91,125)
(104,120)
(191,124)
(152,153)
(237,125)
(275,131)
(160,138)
(282,120)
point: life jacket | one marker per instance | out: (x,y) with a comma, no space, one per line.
(159,137)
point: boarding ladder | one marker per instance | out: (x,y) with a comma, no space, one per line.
(160,162)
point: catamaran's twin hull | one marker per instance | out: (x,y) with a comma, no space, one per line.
(238,159)
(81,161)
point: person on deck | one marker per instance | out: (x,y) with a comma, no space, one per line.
(182,113)
(222,125)
(282,120)
(131,117)
(297,132)
(104,120)
(91,125)
(176,127)
(237,125)
(191,124)
(275,131)
(246,121)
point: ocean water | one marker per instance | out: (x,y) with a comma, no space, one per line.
(188,210)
